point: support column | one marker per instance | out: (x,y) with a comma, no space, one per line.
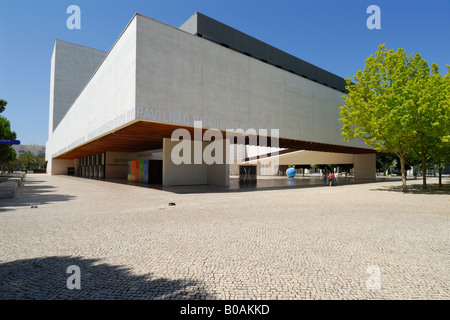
(219,174)
(364,166)
(191,173)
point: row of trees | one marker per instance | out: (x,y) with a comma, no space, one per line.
(28,160)
(25,161)
(401,106)
(8,157)
(390,164)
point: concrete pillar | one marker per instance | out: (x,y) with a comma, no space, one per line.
(181,174)
(193,173)
(364,166)
(219,174)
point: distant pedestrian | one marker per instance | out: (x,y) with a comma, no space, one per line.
(336,178)
(325,176)
(330,178)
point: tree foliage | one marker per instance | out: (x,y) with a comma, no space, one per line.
(433,114)
(395,103)
(384,162)
(3,104)
(28,159)
(7,153)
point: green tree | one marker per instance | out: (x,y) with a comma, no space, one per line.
(7,153)
(384,162)
(28,159)
(441,154)
(3,104)
(7,157)
(433,114)
(40,160)
(381,106)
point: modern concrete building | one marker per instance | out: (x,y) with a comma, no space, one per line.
(24,148)
(107,109)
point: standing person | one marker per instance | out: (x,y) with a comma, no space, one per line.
(330,178)
(325,176)
(336,178)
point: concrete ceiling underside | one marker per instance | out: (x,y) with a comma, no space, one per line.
(142,135)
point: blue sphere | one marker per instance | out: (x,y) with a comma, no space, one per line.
(290,172)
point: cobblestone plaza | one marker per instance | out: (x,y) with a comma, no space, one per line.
(356,241)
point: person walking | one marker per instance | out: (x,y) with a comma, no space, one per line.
(330,178)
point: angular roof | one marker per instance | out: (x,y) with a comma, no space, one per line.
(215,31)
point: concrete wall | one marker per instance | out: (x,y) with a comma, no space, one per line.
(222,34)
(364,166)
(106,103)
(181,174)
(117,164)
(72,66)
(193,174)
(190,25)
(59,166)
(219,174)
(314,157)
(181,78)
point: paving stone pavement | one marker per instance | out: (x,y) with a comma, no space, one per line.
(361,241)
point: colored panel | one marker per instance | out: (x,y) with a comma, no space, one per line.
(141,171)
(136,171)
(146,169)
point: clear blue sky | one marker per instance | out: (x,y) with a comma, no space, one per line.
(330,34)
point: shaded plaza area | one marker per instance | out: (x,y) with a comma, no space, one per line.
(261,183)
(353,241)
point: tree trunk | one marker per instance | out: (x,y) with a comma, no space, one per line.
(402,166)
(424,172)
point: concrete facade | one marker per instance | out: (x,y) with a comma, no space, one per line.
(158,77)
(182,77)
(72,66)
(364,166)
(214,31)
(194,174)
(106,102)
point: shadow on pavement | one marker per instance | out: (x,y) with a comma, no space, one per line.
(32,193)
(418,189)
(46,279)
